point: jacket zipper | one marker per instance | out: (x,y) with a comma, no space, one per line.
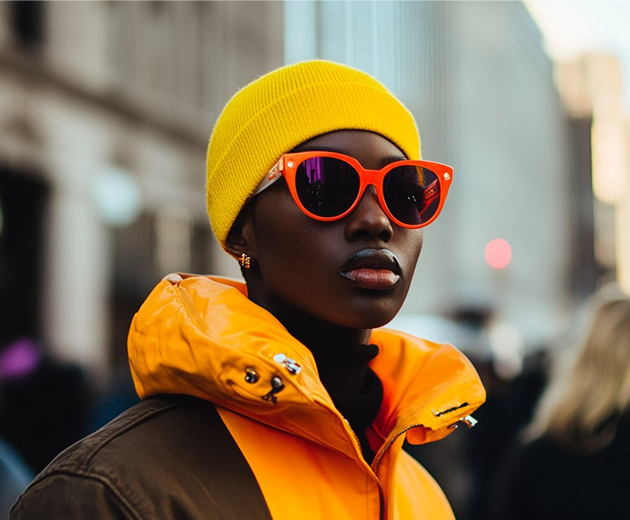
(381,499)
(377,464)
(381,489)
(379,458)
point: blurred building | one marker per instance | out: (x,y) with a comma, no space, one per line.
(592,90)
(105,113)
(482,90)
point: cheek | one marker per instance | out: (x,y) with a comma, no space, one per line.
(408,244)
(408,251)
(296,271)
(286,243)
(416,246)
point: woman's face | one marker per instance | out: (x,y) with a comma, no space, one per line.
(354,272)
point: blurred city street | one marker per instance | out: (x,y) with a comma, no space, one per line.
(106,108)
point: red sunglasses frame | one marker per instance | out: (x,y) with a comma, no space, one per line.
(288,164)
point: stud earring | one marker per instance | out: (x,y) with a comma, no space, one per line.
(245,261)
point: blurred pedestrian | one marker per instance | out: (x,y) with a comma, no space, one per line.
(275,398)
(576,466)
(14,477)
(44,402)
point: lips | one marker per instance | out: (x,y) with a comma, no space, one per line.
(376,269)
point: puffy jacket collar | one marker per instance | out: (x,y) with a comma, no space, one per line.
(203,337)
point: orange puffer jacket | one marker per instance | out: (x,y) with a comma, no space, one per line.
(203,337)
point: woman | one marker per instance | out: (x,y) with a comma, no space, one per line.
(576,466)
(309,187)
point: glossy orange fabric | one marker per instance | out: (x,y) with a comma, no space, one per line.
(202,335)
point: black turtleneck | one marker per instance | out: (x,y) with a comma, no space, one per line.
(355,389)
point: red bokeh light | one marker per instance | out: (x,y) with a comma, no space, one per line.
(498,253)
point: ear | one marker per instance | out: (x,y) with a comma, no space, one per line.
(240,239)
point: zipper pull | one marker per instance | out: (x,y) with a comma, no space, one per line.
(290,364)
(469,421)
(276,386)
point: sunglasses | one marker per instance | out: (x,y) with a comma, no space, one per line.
(328,186)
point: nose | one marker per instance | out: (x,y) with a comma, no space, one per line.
(368,220)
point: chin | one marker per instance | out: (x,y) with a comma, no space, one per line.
(376,323)
(369,318)
(375,311)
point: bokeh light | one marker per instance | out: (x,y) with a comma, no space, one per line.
(498,253)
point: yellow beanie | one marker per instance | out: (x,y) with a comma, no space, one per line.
(281,110)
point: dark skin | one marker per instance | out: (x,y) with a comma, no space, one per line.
(297,262)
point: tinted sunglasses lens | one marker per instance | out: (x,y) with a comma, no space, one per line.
(327,187)
(412,194)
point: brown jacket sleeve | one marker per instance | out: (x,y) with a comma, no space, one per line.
(167,458)
(71,497)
